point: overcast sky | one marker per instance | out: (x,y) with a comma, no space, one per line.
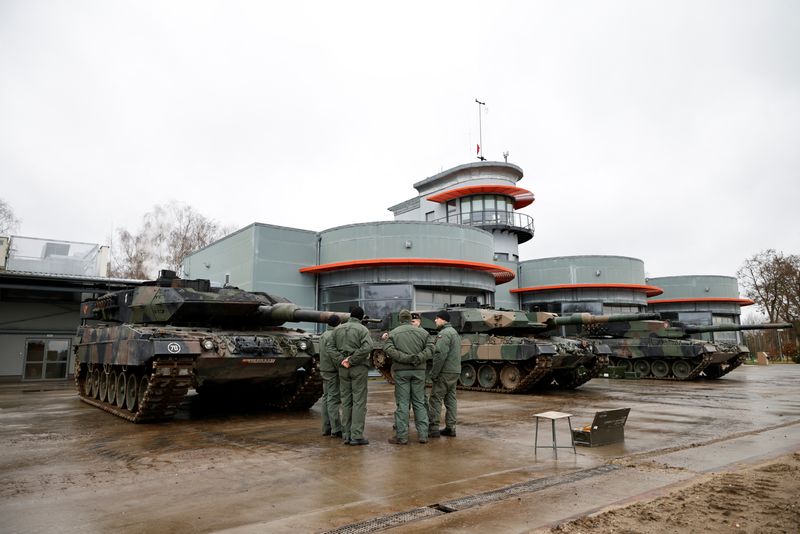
(668,131)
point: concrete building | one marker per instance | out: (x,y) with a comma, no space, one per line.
(42,282)
(592,284)
(458,237)
(701,299)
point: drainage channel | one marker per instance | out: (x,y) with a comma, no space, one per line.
(463,503)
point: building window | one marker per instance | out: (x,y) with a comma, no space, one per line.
(501,256)
(452,211)
(429,216)
(377,300)
(46,359)
(437,298)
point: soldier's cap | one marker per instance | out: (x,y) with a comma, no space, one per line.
(334,320)
(404,315)
(414,315)
(444,314)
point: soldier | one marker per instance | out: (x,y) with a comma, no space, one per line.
(329,369)
(406,346)
(444,377)
(351,347)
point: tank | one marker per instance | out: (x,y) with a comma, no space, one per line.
(511,351)
(139,351)
(666,351)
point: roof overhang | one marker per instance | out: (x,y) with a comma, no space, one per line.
(522,197)
(501,274)
(740,302)
(650,291)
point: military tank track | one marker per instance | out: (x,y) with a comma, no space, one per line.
(718,370)
(678,369)
(135,393)
(578,379)
(305,394)
(504,376)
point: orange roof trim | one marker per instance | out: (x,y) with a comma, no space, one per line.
(740,302)
(522,197)
(650,291)
(501,274)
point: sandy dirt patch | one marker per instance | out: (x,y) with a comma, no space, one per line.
(761,499)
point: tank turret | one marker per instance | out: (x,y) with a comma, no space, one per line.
(174,301)
(139,350)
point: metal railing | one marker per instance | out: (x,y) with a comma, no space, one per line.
(494,218)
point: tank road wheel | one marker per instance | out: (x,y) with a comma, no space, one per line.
(487,376)
(626,364)
(112,387)
(96,383)
(87,383)
(130,392)
(122,384)
(510,377)
(103,386)
(660,369)
(681,369)
(467,375)
(642,367)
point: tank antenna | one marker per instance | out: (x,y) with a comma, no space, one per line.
(480,131)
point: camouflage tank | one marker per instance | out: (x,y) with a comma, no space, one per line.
(509,351)
(665,351)
(138,351)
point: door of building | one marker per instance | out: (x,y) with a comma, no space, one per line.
(46,359)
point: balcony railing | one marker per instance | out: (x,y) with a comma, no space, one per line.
(517,222)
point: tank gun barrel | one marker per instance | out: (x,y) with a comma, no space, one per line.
(587,318)
(699,329)
(285,312)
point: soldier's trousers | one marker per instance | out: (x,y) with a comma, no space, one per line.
(331,402)
(443,391)
(409,389)
(353,388)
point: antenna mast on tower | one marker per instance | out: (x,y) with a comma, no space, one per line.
(480,131)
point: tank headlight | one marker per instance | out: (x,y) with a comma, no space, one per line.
(208,344)
(302,345)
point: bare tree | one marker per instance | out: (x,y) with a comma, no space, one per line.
(168,234)
(8,221)
(772,280)
(131,255)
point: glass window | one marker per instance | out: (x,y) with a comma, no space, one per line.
(489,202)
(378,309)
(501,256)
(387,291)
(452,211)
(595,308)
(338,294)
(429,216)
(695,317)
(46,359)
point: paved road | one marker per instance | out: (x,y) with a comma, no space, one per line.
(67,466)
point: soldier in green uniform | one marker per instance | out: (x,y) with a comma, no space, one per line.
(351,347)
(406,346)
(329,369)
(444,377)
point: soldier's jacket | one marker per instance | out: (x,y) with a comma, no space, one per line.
(446,352)
(352,340)
(406,347)
(326,361)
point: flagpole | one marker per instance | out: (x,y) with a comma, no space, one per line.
(480,131)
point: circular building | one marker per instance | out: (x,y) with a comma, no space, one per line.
(600,285)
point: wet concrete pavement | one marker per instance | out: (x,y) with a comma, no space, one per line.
(67,466)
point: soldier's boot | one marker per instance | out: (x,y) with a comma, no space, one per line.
(359,441)
(450,432)
(336,434)
(433,432)
(394,440)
